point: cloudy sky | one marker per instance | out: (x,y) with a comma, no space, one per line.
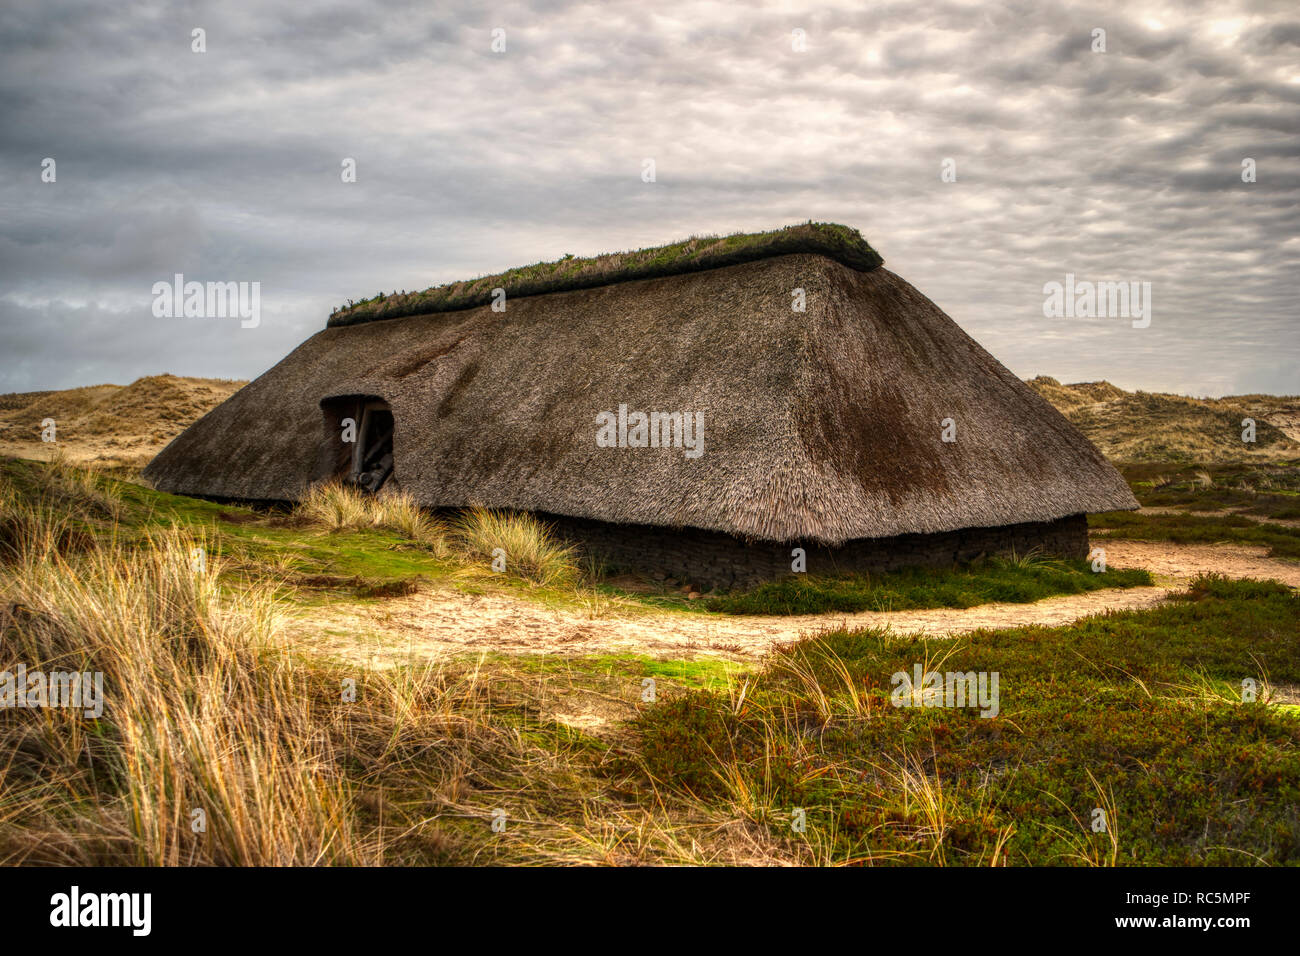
(225,165)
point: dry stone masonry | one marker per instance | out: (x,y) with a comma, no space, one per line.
(711,559)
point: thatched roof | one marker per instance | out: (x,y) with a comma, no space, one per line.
(819,426)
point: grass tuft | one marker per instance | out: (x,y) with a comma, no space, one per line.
(336,506)
(525,543)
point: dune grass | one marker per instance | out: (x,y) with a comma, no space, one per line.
(1017,581)
(524,544)
(1174,430)
(79,491)
(838,242)
(513,543)
(215,746)
(517,544)
(1267,490)
(196,718)
(335,506)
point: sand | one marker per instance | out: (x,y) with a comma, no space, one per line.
(443,621)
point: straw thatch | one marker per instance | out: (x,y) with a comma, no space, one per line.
(819,426)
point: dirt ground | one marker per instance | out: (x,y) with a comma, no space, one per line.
(441,622)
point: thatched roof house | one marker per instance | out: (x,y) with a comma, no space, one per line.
(824,428)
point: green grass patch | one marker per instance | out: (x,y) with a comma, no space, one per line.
(1136,713)
(705,673)
(995,579)
(252,542)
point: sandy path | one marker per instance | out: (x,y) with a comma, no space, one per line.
(1183,561)
(442,621)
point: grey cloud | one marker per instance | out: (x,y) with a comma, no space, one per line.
(226,165)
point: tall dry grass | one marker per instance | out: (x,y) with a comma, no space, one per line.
(335,507)
(340,507)
(478,536)
(525,543)
(205,711)
(44,518)
(81,491)
(200,714)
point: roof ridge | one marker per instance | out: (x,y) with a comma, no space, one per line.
(696,254)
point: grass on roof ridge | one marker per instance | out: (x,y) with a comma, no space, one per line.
(841,243)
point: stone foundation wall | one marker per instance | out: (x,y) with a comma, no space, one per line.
(710,559)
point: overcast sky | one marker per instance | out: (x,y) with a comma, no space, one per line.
(226,165)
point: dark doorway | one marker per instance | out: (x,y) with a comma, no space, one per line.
(367,459)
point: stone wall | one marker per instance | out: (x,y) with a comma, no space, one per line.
(711,559)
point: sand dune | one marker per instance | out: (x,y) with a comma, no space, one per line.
(109,425)
(1156,427)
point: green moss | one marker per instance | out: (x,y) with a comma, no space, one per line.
(838,242)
